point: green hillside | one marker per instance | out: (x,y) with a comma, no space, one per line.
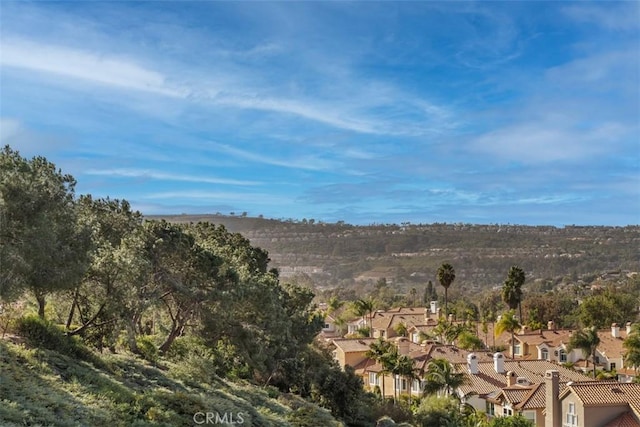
(40,387)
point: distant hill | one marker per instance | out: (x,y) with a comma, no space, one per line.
(332,254)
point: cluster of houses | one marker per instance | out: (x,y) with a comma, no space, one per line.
(542,380)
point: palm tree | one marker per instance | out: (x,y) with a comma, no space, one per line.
(443,379)
(382,351)
(508,323)
(587,340)
(632,345)
(512,289)
(405,370)
(334,304)
(446,275)
(364,307)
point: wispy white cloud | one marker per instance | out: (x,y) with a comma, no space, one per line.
(84,65)
(543,142)
(388,112)
(298,162)
(151,174)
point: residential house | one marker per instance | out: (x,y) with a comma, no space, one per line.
(351,351)
(591,404)
(552,344)
(506,387)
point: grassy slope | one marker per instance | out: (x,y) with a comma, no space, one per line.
(45,388)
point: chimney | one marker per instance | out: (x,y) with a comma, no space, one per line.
(552,401)
(403,345)
(472,363)
(615,330)
(511,378)
(551,325)
(434,307)
(498,363)
(628,328)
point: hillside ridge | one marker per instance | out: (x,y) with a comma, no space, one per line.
(339,254)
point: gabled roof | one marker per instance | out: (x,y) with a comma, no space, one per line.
(609,346)
(516,394)
(488,380)
(605,393)
(552,338)
(626,419)
(351,345)
(388,320)
(536,398)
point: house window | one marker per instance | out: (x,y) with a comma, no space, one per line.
(544,354)
(416,386)
(562,356)
(373,378)
(571,419)
(491,409)
(401,384)
(326,326)
(382,333)
(507,412)
(612,366)
(516,348)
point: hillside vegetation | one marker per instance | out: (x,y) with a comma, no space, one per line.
(342,254)
(95,293)
(40,387)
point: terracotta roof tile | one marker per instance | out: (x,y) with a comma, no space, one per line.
(596,393)
(627,419)
(349,345)
(488,380)
(516,394)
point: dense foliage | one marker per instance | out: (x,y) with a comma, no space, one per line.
(103,277)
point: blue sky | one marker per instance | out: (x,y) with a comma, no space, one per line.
(366,112)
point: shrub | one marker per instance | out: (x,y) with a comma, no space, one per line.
(41,333)
(148,349)
(437,411)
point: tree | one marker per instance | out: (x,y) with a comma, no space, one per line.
(508,323)
(381,351)
(430,294)
(586,340)
(413,292)
(632,347)
(469,341)
(609,306)
(442,378)
(512,289)
(404,369)
(41,241)
(98,297)
(364,307)
(439,411)
(446,275)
